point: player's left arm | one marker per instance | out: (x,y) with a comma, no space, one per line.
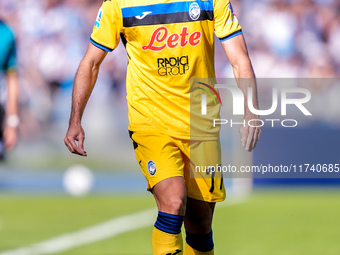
(237,54)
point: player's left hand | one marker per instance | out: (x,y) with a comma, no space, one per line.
(250,135)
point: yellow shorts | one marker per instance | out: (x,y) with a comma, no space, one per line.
(161,156)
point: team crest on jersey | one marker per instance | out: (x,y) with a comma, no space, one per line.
(194,11)
(151,167)
(98,19)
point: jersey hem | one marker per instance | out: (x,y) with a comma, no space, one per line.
(238,32)
(100,45)
(214,137)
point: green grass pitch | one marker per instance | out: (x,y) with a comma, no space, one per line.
(270,222)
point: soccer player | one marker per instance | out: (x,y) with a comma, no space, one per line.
(9,120)
(168,43)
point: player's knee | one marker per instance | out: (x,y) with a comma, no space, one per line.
(176,205)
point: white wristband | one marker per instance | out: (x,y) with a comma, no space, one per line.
(12,121)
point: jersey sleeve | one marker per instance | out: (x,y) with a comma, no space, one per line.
(225,22)
(108,26)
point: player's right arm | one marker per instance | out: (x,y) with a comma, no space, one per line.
(83,85)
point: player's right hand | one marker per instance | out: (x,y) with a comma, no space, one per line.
(74,139)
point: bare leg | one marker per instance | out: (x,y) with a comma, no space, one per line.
(170,196)
(197,222)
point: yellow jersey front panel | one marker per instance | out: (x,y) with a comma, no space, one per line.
(167,42)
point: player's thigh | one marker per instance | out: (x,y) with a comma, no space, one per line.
(170,195)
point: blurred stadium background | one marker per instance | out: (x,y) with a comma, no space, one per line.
(38,215)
